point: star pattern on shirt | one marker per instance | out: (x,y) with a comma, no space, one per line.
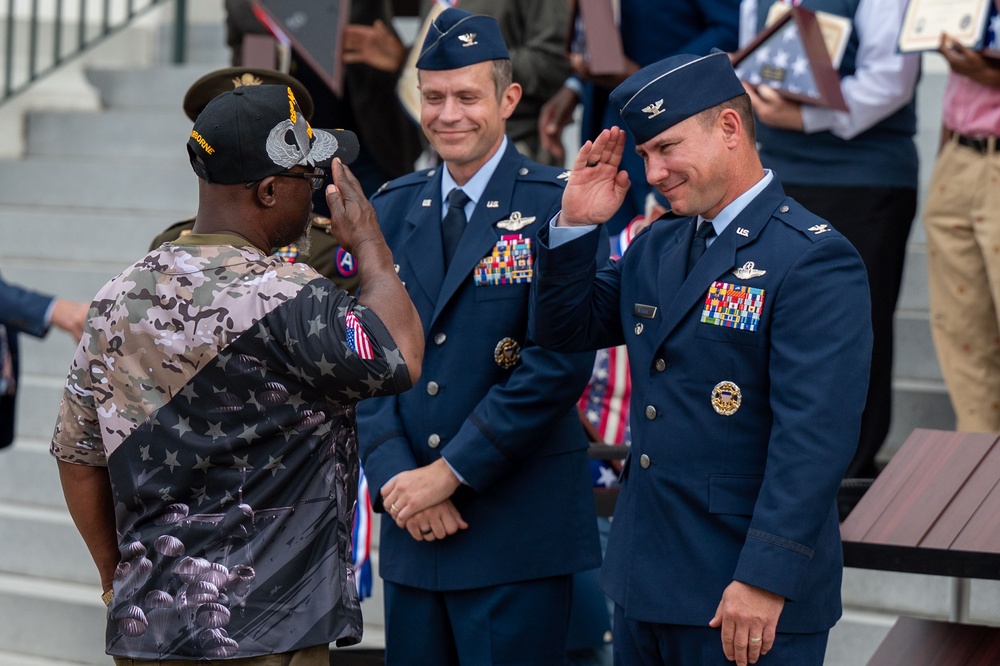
(171,461)
(274,464)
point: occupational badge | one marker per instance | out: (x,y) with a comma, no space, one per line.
(748,271)
(507,353)
(516,221)
(726,398)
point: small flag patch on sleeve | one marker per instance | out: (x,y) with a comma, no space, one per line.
(357,339)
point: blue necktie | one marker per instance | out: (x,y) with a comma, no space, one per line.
(699,243)
(453,223)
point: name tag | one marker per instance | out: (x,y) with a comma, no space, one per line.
(645,311)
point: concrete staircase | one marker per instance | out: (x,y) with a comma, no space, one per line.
(94,186)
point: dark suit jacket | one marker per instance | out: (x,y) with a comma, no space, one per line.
(21,311)
(708,498)
(512,433)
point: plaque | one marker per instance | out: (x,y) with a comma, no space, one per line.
(791,56)
(314,28)
(594,34)
(926,20)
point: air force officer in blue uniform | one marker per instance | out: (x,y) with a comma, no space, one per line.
(26,311)
(749,364)
(482,466)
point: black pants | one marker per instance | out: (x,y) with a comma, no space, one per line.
(877,221)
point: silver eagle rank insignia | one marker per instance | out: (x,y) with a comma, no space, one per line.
(654,109)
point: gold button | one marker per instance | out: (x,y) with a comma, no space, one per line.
(440,338)
(433,388)
(661,365)
(644,461)
(433,441)
(650,412)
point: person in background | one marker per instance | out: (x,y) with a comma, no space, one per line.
(26,311)
(725,543)
(856,169)
(482,468)
(962,219)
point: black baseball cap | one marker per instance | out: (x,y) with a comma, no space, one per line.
(254,132)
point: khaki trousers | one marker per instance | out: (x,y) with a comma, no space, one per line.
(962,219)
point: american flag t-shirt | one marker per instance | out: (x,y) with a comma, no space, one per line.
(357,339)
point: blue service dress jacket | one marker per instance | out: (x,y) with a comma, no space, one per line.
(21,311)
(748,383)
(499,408)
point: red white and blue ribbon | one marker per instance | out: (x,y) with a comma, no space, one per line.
(362,537)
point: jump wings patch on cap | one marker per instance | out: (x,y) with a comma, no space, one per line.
(287,155)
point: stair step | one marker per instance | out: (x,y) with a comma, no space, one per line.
(160,87)
(111,134)
(99,183)
(914,355)
(29,476)
(57,549)
(916,404)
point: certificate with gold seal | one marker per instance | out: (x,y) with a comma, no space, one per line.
(926,20)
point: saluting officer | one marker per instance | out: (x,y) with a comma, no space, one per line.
(483,465)
(749,366)
(321,251)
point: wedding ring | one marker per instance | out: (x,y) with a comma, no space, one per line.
(591,164)
(392,508)
(426,532)
(755,640)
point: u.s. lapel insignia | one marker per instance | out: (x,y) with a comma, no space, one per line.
(740,231)
(563,176)
(426,203)
(748,272)
(515,222)
(507,353)
(726,398)
(492,204)
(820,228)
(653,109)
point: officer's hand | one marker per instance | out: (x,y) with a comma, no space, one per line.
(748,616)
(352,218)
(596,188)
(437,522)
(412,491)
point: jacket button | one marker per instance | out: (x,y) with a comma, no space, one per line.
(440,338)
(650,412)
(433,388)
(434,441)
(661,365)
(644,461)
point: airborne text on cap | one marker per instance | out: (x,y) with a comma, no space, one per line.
(201,142)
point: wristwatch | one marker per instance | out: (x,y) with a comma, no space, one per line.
(106,597)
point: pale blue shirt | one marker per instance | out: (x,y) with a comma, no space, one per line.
(477,184)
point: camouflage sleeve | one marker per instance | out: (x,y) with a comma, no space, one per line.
(77,437)
(343,347)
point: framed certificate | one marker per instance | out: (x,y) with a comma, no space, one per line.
(594,34)
(314,28)
(926,20)
(792,57)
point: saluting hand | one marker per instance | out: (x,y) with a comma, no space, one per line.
(596,188)
(352,218)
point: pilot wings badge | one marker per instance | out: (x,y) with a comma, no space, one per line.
(654,109)
(468,39)
(747,271)
(515,222)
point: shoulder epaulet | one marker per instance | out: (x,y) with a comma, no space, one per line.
(415,178)
(812,226)
(540,173)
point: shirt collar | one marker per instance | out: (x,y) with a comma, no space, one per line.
(476,185)
(729,213)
